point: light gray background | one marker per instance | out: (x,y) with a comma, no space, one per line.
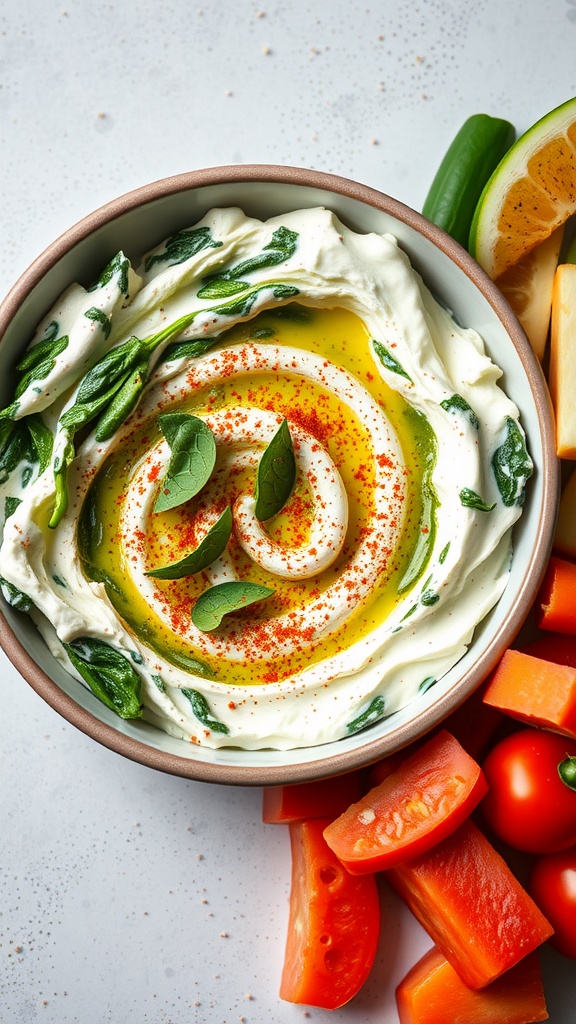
(125,895)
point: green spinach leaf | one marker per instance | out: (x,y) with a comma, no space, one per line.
(470,499)
(201,711)
(457,404)
(373,713)
(210,548)
(109,674)
(276,474)
(181,246)
(388,360)
(512,465)
(218,601)
(193,458)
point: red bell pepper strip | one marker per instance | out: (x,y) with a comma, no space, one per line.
(323,798)
(333,924)
(474,909)
(429,795)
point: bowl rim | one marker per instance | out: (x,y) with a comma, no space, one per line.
(335,762)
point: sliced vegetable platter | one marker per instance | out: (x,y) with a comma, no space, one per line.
(474,827)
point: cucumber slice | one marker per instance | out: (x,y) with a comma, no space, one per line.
(475,152)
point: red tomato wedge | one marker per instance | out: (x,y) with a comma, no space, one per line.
(419,804)
(474,909)
(432,989)
(333,925)
(535,691)
(324,798)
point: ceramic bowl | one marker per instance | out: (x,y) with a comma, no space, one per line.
(140,220)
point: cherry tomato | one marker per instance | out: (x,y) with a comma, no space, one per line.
(552,885)
(527,804)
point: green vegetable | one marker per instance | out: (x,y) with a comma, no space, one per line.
(388,360)
(228,282)
(193,458)
(373,713)
(457,404)
(99,317)
(567,772)
(123,403)
(118,266)
(512,465)
(218,601)
(276,474)
(181,246)
(210,548)
(15,598)
(471,158)
(108,673)
(202,711)
(470,499)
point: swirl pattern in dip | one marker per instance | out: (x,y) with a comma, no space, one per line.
(395,538)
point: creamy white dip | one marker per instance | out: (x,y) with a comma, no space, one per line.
(394,541)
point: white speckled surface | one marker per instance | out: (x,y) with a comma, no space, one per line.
(125,895)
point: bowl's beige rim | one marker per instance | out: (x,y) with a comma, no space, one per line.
(336,762)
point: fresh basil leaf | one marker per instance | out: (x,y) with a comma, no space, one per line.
(16,448)
(218,601)
(221,288)
(181,246)
(41,363)
(201,710)
(512,465)
(456,404)
(373,713)
(209,549)
(108,673)
(10,506)
(193,458)
(102,382)
(99,317)
(470,499)
(42,440)
(388,360)
(188,349)
(280,248)
(49,346)
(276,474)
(118,266)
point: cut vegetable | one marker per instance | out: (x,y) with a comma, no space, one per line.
(535,691)
(427,797)
(555,606)
(424,995)
(333,925)
(562,372)
(528,287)
(470,159)
(471,905)
(565,534)
(531,193)
(323,798)
(552,885)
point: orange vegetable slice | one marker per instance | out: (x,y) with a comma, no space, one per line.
(535,691)
(555,606)
(432,986)
(528,287)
